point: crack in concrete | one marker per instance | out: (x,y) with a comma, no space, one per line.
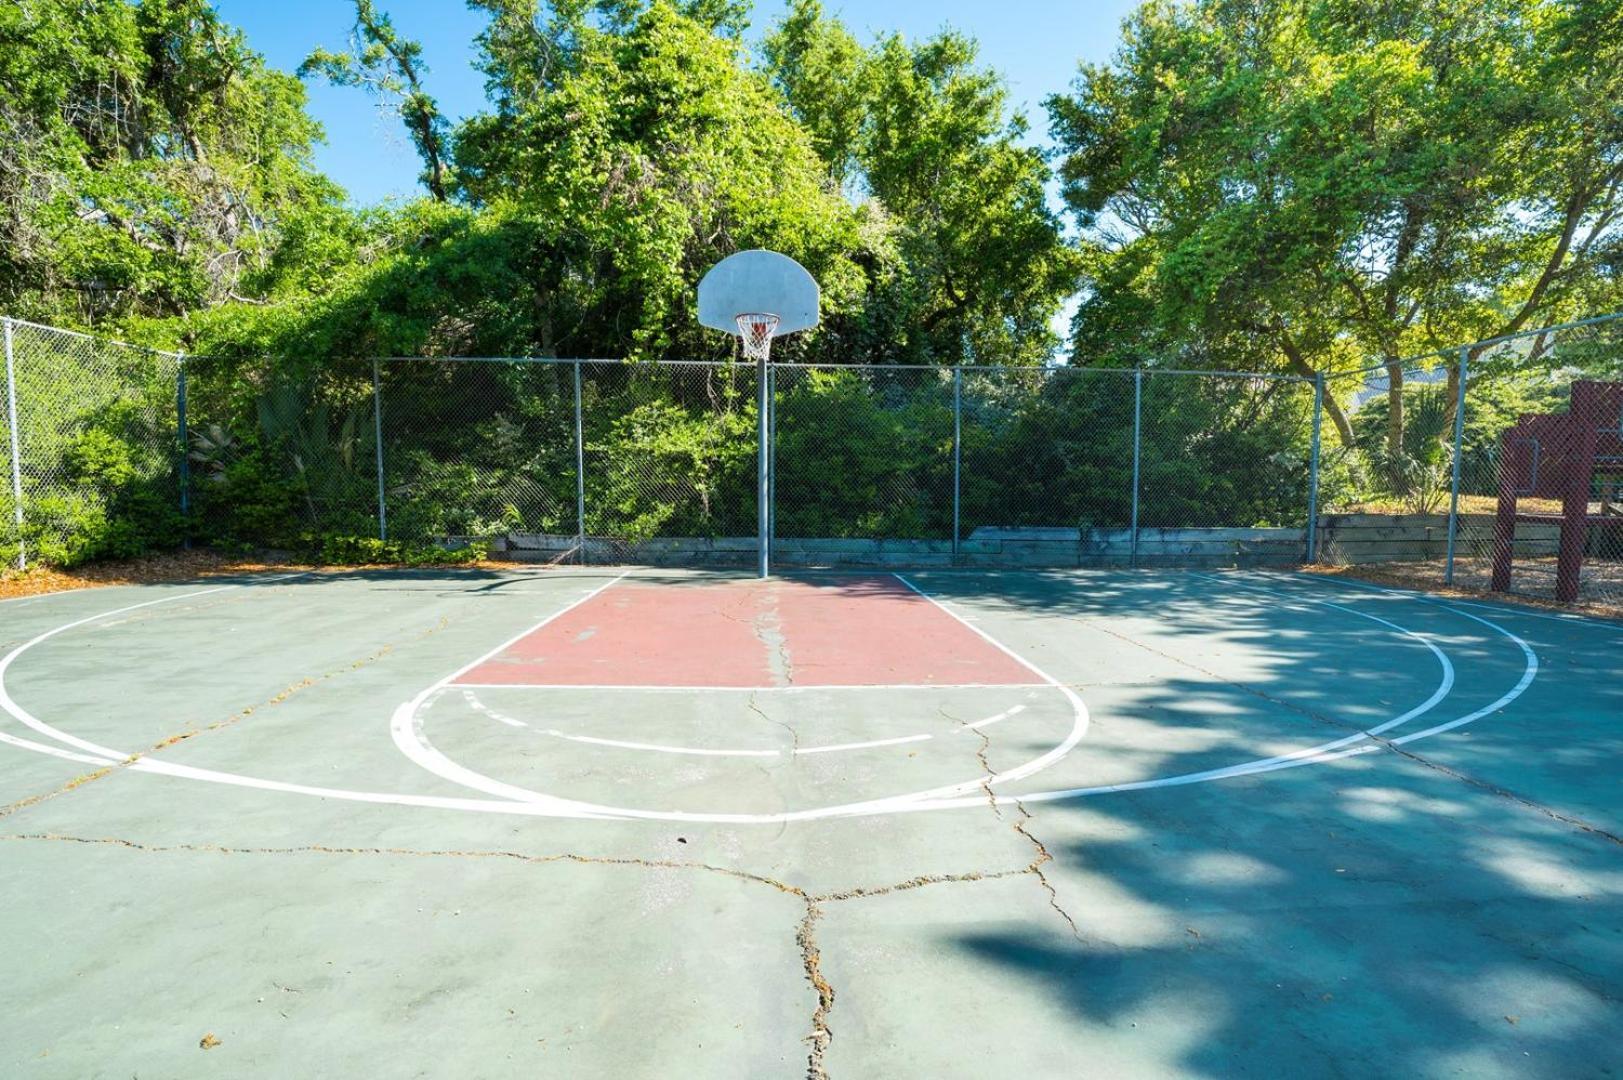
(76,782)
(821,1034)
(811,959)
(794,734)
(1379,740)
(414,853)
(1035,869)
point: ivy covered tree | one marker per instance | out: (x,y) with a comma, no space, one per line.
(150,162)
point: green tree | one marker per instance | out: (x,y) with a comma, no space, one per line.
(968,263)
(149,160)
(390,68)
(1310,184)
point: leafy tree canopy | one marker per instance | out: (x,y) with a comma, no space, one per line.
(1311,184)
(150,162)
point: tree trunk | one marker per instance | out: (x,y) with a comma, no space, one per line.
(1394,406)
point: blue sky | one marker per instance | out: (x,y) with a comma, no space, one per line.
(1036,44)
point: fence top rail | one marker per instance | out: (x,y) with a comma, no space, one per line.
(1045,369)
(91,337)
(1449,352)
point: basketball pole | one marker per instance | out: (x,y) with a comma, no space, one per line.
(761,493)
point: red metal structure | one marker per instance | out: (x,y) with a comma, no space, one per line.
(1560,457)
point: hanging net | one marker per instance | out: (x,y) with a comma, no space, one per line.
(755,330)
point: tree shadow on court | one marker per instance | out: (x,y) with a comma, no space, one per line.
(1383,914)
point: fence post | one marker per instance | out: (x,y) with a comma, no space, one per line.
(16,449)
(1313,470)
(957,451)
(580,473)
(377,435)
(1459,453)
(1138,414)
(185,451)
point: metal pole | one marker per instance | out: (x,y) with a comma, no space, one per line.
(772,460)
(185,451)
(580,473)
(16,450)
(762,494)
(377,435)
(957,451)
(1138,413)
(1459,448)
(1313,471)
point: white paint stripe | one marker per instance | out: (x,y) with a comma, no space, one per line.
(862,745)
(474,702)
(999,718)
(406,727)
(1078,730)
(41,748)
(1529,673)
(541,806)
(696,751)
(1587,621)
(802,688)
(11,706)
(155,765)
(409,737)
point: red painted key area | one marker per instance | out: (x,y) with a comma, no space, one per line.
(834,631)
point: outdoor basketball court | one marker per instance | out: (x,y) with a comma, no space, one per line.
(581,821)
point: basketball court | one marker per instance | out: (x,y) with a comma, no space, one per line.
(584,821)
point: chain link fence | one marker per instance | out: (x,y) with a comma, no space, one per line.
(1432,475)
(117,449)
(91,452)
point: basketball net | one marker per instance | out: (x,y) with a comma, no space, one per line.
(755,330)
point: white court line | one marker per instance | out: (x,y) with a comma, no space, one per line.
(474,702)
(565,808)
(1588,621)
(1315,755)
(406,727)
(1036,764)
(696,751)
(998,719)
(410,738)
(863,745)
(799,688)
(41,748)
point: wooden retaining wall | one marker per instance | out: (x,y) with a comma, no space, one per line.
(1378,538)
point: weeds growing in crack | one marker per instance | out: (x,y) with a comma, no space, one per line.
(1035,869)
(811,959)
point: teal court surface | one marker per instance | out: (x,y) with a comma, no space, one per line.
(580,822)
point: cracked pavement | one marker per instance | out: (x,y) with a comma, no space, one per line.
(1462,895)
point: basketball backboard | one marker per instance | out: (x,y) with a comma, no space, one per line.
(762,282)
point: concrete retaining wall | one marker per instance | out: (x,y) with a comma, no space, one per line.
(983,548)
(1343,538)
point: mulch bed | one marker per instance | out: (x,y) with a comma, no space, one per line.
(172,566)
(1602,583)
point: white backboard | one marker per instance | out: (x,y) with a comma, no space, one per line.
(759,281)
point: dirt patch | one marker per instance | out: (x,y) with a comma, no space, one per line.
(177,566)
(1534,583)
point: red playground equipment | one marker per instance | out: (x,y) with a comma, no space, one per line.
(1560,457)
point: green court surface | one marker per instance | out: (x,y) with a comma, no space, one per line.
(585,823)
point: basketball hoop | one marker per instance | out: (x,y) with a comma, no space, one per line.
(755,330)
